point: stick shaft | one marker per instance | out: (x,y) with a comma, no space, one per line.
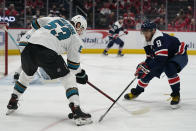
(110,98)
(103,93)
(101,118)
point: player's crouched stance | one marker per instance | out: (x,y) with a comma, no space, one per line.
(43,50)
(165,54)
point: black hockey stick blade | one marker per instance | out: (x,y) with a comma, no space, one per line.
(101,118)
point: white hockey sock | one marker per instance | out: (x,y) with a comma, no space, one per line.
(22,84)
(69,83)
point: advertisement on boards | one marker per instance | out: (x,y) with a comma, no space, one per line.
(98,39)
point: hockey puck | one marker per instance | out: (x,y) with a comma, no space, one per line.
(70,115)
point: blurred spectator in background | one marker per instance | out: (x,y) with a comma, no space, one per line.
(192,25)
(63,12)
(161,10)
(129,20)
(146,7)
(37,14)
(39,4)
(111,19)
(54,11)
(29,11)
(105,10)
(11,11)
(89,8)
(30,3)
(161,24)
(180,12)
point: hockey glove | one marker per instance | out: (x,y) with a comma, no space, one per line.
(126,32)
(142,70)
(82,77)
(115,36)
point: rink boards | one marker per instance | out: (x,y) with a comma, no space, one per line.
(96,40)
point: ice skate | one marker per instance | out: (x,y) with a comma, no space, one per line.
(175,100)
(13,104)
(133,94)
(105,53)
(120,54)
(79,116)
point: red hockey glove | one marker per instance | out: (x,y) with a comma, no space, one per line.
(126,32)
(142,70)
(115,36)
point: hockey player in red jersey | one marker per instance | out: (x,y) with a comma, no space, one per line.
(164,53)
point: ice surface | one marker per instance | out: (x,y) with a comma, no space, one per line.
(44,106)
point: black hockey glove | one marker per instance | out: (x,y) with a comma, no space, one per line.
(82,77)
(142,70)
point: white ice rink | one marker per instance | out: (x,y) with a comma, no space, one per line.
(44,107)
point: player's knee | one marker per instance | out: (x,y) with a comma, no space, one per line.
(110,44)
(121,44)
(148,78)
(171,69)
(29,70)
(69,81)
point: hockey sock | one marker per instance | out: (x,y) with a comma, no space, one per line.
(19,89)
(174,83)
(73,95)
(142,84)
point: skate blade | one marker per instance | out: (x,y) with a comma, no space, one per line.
(175,106)
(82,121)
(10,112)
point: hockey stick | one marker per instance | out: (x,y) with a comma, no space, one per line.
(101,118)
(11,37)
(121,35)
(114,39)
(110,98)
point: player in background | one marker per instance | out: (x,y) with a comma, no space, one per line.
(165,54)
(114,36)
(44,49)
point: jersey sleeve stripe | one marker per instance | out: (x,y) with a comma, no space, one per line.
(73,65)
(181,49)
(23,43)
(163,52)
(35,24)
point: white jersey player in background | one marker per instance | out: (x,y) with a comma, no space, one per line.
(44,49)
